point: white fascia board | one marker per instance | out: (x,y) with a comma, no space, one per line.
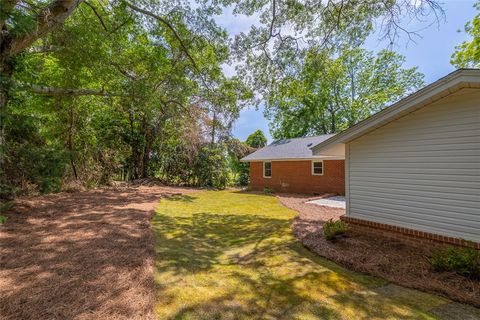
(298,159)
(463,78)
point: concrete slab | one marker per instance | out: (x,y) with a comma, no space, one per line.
(333,202)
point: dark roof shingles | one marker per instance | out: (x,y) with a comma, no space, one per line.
(295,148)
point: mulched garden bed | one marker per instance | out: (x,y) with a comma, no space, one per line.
(83,255)
(379,256)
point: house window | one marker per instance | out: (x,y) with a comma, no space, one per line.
(267,169)
(317,168)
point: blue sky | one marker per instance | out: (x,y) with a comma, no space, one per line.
(431,53)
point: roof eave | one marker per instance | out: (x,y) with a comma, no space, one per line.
(295,159)
(462,78)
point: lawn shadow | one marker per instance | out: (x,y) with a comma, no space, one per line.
(197,243)
(230,244)
(215,264)
(182,198)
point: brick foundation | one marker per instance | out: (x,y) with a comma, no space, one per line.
(413,237)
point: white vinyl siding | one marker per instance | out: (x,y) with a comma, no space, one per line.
(421,171)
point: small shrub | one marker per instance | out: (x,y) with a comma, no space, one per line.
(8,192)
(4,206)
(464,261)
(332,229)
(268,190)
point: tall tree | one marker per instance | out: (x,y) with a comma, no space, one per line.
(331,92)
(256,139)
(104,80)
(108,82)
(467,54)
(24,22)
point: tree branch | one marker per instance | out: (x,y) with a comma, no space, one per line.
(176,35)
(97,14)
(52,91)
(50,17)
(6,6)
(169,26)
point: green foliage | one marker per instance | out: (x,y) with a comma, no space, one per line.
(31,162)
(4,206)
(257,139)
(211,167)
(243,177)
(116,91)
(8,190)
(467,54)
(241,170)
(463,260)
(165,107)
(331,91)
(332,229)
(268,190)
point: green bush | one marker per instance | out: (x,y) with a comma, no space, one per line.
(243,175)
(31,163)
(332,229)
(211,167)
(464,261)
(4,206)
(268,190)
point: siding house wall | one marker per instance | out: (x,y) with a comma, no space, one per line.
(421,171)
(296,177)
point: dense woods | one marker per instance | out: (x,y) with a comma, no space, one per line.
(97,91)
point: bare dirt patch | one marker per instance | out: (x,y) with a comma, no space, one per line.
(379,256)
(85,255)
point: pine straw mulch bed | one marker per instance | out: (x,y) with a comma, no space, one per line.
(84,255)
(378,256)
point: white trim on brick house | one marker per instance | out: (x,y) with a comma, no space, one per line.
(313,167)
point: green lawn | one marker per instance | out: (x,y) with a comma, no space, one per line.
(231,255)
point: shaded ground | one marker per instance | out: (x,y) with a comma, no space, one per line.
(379,256)
(87,255)
(215,255)
(232,255)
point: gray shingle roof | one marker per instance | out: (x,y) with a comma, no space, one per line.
(295,148)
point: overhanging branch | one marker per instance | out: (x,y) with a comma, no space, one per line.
(176,35)
(51,16)
(52,91)
(169,26)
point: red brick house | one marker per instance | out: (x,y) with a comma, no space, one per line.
(288,165)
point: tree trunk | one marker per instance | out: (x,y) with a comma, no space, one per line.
(70,141)
(146,153)
(133,146)
(6,71)
(214,123)
(333,122)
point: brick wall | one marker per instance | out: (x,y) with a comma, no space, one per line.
(296,177)
(412,237)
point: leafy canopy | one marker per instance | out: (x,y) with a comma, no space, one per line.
(256,139)
(467,54)
(92,91)
(332,90)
